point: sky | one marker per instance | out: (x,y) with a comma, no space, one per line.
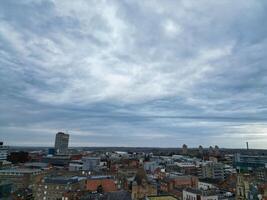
(134,73)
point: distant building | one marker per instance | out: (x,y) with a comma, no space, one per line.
(212,170)
(61,143)
(51,151)
(18,157)
(23,194)
(90,163)
(142,186)
(103,183)
(197,194)
(249,162)
(200,150)
(185,149)
(168,184)
(57,160)
(3,152)
(75,165)
(150,166)
(249,188)
(211,151)
(207,184)
(161,197)
(5,189)
(121,195)
(242,186)
(54,188)
(217,151)
(21,177)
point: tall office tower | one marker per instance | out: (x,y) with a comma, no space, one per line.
(3,151)
(61,143)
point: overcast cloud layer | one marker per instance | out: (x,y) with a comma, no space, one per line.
(134,73)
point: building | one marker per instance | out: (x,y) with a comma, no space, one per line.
(249,162)
(150,166)
(142,186)
(5,189)
(103,183)
(217,150)
(211,151)
(212,170)
(207,184)
(242,186)
(22,177)
(200,150)
(179,181)
(61,143)
(90,163)
(196,194)
(54,188)
(58,160)
(161,197)
(121,195)
(23,194)
(75,165)
(184,149)
(3,152)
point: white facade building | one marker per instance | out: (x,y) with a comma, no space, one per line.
(90,163)
(196,194)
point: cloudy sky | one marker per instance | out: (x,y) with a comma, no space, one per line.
(134,73)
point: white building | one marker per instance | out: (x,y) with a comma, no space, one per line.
(196,194)
(205,185)
(90,163)
(76,165)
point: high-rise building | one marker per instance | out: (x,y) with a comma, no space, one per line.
(216,150)
(61,143)
(184,149)
(200,150)
(211,151)
(3,152)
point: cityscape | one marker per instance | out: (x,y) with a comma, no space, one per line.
(133,99)
(132,173)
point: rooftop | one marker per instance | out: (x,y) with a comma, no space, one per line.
(100,177)
(63,180)
(202,192)
(20,170)
(161,198)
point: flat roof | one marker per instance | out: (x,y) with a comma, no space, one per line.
(63,180)
(161,198)
(100,177)
(20,170)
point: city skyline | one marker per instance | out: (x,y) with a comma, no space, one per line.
(134,73)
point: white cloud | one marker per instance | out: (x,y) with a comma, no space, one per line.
(171,28)
(165,58)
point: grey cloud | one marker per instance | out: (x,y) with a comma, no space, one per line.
(120,71)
